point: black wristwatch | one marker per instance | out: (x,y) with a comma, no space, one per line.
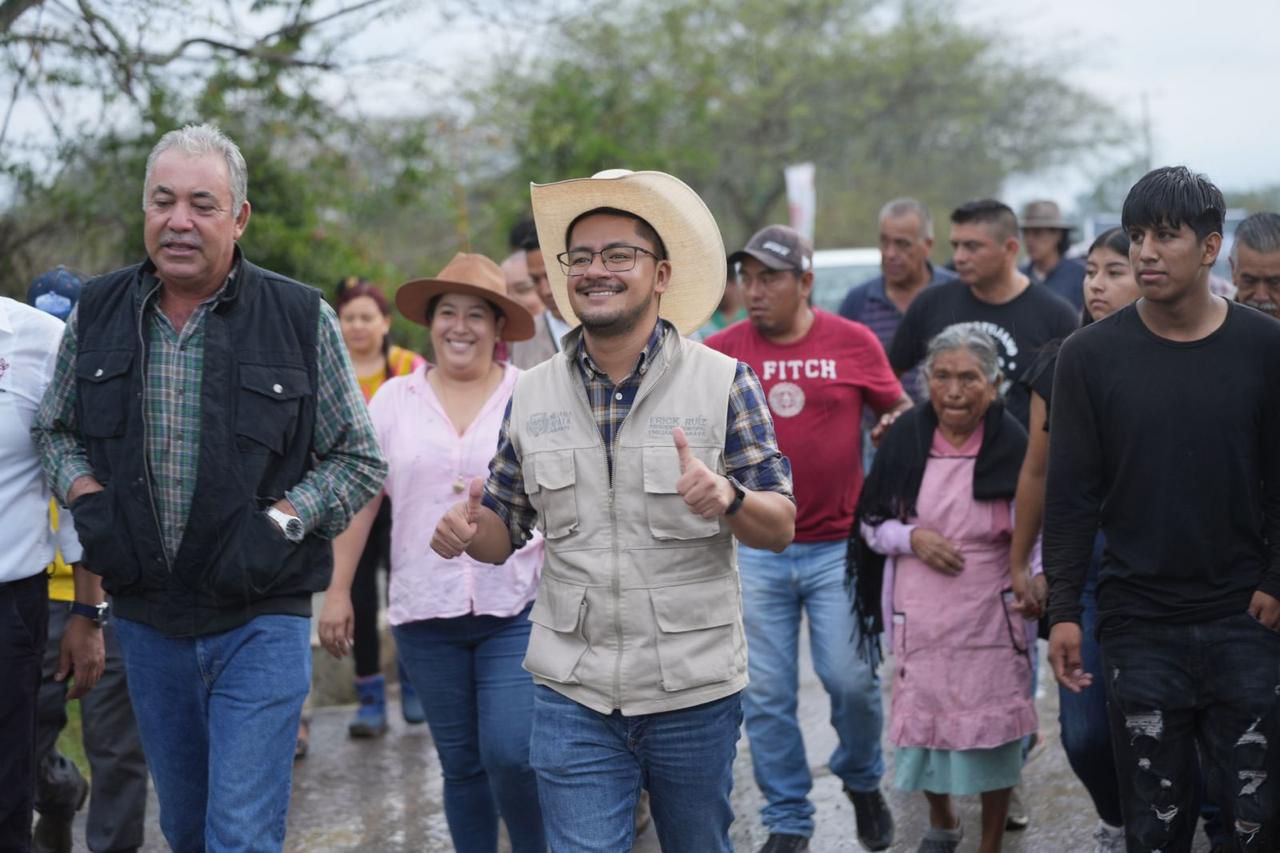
(738,494)
(95,613)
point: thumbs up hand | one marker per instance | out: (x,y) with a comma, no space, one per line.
(475,491)
(458,526)
(705,493)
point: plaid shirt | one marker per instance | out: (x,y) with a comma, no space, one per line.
(351,467)
(751,452)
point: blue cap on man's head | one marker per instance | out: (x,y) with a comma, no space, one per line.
(55,292)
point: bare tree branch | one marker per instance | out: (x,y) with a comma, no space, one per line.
(11,10)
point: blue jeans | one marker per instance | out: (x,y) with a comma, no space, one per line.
(218,715)
(479,705)
(1086,730)
(807,577)
(1174,688)
(591,768)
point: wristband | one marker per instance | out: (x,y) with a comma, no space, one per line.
(95,613)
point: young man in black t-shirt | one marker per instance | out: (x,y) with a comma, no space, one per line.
(1164,421)
(1021,317)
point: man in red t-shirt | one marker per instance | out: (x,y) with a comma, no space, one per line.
(818,370)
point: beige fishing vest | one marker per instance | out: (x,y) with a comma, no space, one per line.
(638,608)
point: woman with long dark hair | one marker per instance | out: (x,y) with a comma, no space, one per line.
(364,315)
(1109,285)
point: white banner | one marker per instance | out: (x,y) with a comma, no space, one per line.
(802,198)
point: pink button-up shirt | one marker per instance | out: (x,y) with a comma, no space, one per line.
(427,459)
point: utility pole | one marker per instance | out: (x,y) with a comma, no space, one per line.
(1148,156)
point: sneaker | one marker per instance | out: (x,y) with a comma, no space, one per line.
(873,818)
(1018,819)
(1108,839)
(371,717)
(941,840)
(304,739)
(410,704)
(53,828)
(780,842)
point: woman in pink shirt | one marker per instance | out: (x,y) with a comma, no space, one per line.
(461,627)
(938,505)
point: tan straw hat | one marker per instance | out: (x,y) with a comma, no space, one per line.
(471,274)
(687,228)
(1043,214)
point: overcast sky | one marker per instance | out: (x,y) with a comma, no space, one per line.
(1210,72)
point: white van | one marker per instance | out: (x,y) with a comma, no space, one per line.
(837,270)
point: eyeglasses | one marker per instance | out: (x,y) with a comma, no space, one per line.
(614,258)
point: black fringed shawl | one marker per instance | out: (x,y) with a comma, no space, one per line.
(891,489)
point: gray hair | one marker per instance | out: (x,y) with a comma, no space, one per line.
(969,337)
(1260,232)
(196,140)
(910,207)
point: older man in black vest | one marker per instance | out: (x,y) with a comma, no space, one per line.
(205,425)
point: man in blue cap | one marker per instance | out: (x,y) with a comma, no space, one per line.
(117,806)
(55,292)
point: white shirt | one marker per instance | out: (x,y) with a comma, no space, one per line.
(29,341)
(558,329)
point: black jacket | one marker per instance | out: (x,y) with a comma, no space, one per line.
(258,410)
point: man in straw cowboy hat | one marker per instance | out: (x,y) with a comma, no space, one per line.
(641,456)
(1047,237)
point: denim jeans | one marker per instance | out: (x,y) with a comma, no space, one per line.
(591,767)
(218,715)
(479,705)
(806,578)
(1086,730)
(1174,687)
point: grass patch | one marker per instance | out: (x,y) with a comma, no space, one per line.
(71,741)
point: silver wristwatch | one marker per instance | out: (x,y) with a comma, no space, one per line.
(290,525)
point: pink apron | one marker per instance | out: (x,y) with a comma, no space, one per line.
(962,671)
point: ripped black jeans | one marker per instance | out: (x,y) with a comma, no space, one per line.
(1175,689)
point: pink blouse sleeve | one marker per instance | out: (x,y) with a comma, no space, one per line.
(890,537)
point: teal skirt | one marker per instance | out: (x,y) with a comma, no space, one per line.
(965,771)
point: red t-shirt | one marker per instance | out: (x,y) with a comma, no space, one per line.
(816,388)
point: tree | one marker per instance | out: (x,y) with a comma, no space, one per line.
(724,93)
(91,85)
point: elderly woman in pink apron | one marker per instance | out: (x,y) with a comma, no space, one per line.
(931,542)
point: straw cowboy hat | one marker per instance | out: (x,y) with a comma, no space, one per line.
(1043,214)
(475,275)
(687,228)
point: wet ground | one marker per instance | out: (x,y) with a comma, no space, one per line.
(385,795)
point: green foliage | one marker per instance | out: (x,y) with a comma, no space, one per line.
(1258,200)
(725,93)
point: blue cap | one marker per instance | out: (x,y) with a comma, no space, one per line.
(55,292)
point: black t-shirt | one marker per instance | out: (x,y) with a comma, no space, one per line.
(1020,328)
(1039,377)
(1174,448)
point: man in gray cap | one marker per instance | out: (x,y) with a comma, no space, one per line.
(1255,262)
(819,372)
(1047,237)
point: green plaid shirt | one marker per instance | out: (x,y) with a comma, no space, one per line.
(351,467)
